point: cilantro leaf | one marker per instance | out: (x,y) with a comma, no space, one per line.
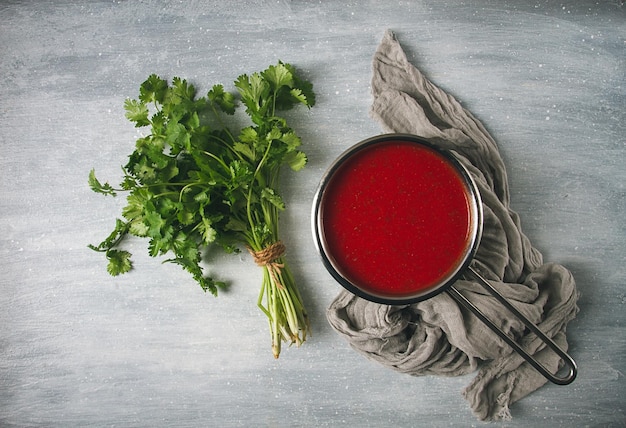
(224,100)
(291,140)
(245,149)
(273,198)
(296,160)
(254,91)
(248,135)
(181,91)
(138,227)
(119,262)
(278,76)
(135,204)
(136,112)
(153,89)
(206,229)
(304,87)
(299,96)
(96,186)
(176,135)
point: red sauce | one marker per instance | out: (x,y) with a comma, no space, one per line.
(396,219)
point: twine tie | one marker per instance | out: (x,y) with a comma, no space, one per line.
(267,258)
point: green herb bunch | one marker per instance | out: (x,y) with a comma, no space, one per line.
(193,182)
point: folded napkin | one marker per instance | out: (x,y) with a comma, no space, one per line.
(437,336)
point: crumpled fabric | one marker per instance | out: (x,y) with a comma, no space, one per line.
(437,337)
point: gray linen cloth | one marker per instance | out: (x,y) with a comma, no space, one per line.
(436,336)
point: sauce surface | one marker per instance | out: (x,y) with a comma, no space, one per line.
(396,218)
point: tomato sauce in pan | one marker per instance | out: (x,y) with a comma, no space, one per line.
(396,218)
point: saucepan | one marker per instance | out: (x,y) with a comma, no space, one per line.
(398,220)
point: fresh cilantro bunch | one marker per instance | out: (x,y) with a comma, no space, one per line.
(193,182)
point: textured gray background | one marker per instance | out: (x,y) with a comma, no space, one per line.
(80,348)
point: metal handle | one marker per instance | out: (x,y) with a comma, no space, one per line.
(569,378)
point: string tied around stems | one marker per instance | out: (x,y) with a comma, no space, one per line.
(268,256)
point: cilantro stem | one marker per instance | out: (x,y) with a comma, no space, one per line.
(228,145)
(251,188)
(218,159)
(185,187)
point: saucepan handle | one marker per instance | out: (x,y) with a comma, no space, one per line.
(567,379)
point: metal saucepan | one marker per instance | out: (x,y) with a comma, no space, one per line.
(398,220)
